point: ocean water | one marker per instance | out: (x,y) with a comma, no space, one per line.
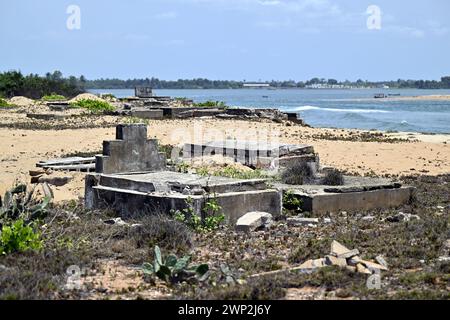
(334,108)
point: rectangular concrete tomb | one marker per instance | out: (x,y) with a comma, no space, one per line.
(132,178)
(255,154)
(357,194)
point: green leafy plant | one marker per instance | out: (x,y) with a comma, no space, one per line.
(212,220)
(209,103)
(19,237)
(94,106)
(4,103)
(19,203)
(53,97)
(232,172)
(173,269)
(291,203)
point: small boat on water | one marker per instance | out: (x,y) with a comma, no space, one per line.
(265,97)
(380,96)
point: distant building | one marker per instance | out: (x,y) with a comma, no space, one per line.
(256,85)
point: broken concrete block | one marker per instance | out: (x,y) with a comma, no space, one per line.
(351,268)
(334,261)
(353,261)
(373,266)
(297,221)
(252,221)
(402,217)
(116,221)
(381,261)
(313,264)
(362,269)
(338,249)
(349,254)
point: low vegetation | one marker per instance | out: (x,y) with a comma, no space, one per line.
(173,269)
(211,104)
(212,218)
(54,97)
(94,106)
(297,174)
(232,172)
(333,178)
(4,103)
(233,262)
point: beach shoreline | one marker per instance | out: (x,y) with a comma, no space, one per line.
(354,151)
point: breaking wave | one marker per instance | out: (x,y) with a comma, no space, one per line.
(308,108)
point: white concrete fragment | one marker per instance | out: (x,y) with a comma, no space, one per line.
(252,221)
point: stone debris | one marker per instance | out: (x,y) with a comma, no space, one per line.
(253,220)
(381,261)
(313,264)
(298,221)
(335,261)
(345,258)
(399,217)
(116,221)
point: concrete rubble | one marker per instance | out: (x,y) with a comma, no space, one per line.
(343,257)
(253,220)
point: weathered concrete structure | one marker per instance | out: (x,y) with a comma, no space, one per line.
(145,113)
(131,177)
(255,154)
(358,193)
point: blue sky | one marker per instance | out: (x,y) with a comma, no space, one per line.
(228,39)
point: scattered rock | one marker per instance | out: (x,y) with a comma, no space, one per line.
(444,259)
(343,257)
(338,249)
(360,268)
(353,261)
(313,264)
(116,221)
(298,221)
(402,217)
(253,220)
(381,261)
(368,218)
(334,261)
(373,266)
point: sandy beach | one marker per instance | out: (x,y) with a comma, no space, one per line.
(355,151)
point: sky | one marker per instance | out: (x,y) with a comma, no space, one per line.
(248,40)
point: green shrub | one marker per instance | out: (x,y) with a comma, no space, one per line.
(18,237)
(291,203)
(232,172)
(209,103)
(19,203)
(94,106)
(212,220)
(4,103)
(333,178)
(298,174)
(173,269)
(54,97)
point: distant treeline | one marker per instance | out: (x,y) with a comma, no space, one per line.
(13,83)
(224,84)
